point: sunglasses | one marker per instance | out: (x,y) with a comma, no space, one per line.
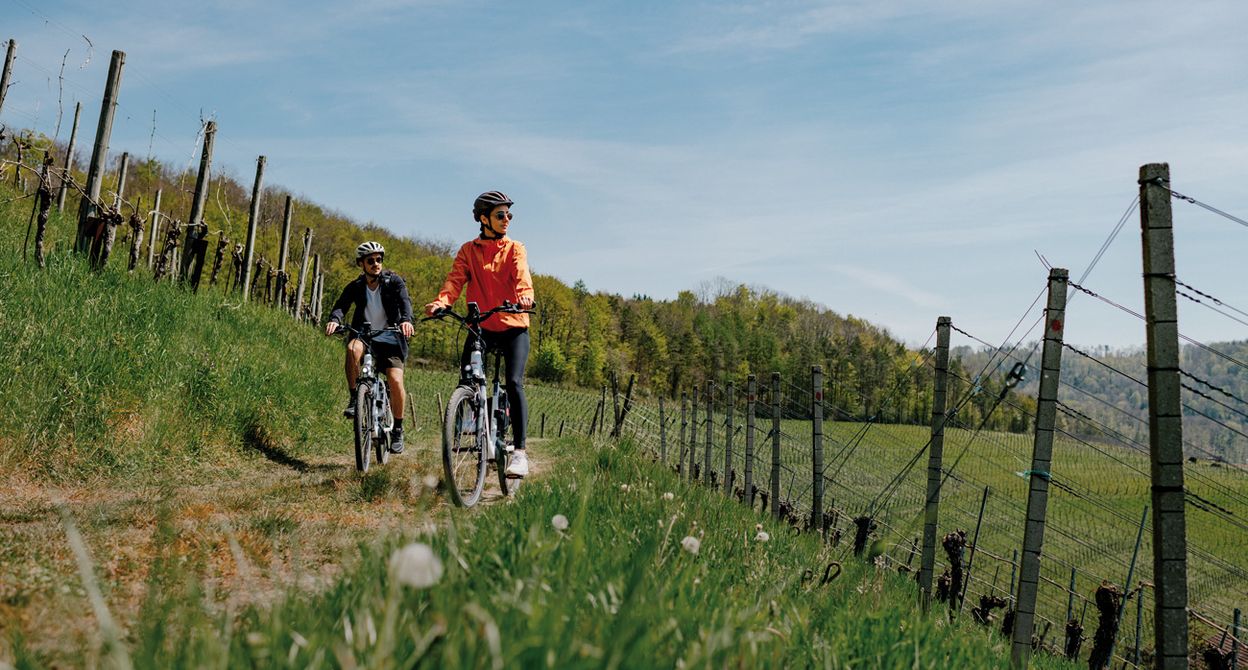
(503,216)
(373,260)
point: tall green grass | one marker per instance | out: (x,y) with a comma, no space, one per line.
(616,589)
(110,373)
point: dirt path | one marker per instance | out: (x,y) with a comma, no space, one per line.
(296,522)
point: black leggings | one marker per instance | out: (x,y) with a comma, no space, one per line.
(513,343)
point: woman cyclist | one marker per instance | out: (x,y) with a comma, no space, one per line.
(495,269)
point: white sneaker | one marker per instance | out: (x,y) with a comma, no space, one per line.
(519,465)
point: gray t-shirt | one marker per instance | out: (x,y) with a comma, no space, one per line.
(374,312)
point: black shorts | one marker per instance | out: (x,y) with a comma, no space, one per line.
(387,355)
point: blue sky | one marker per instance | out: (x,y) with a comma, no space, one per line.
(896,161)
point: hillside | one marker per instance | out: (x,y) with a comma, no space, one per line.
(580,337)
(1103,387)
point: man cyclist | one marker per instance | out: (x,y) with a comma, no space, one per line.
(495,268)
(380,298)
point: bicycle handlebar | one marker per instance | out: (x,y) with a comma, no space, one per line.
(505,308)
(344,329)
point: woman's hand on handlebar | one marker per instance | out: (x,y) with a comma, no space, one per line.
(433,308)
(525,302)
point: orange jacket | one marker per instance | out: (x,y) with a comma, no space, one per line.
(495,270)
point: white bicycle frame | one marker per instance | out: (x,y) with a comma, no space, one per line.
(485,421)
(382,399)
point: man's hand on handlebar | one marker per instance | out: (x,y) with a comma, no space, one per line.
(406,328)
(331,327)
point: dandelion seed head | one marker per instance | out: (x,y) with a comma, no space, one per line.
(559,521)
(691,544)
(416,565)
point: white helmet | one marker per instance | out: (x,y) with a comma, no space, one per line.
(368,249)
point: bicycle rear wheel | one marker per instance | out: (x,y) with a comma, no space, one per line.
(363,425)
(463,455)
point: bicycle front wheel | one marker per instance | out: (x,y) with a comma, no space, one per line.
(463,456)
(363,425)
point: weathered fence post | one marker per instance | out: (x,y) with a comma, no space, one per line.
(1139,625)
(728,428)
(710,433)
(279,296)
(955,602)
(816,447)
(1235,642)
(44,203)
(99,153)
(775,444)
(122,172)
(136,236)
(1122,604)
(152,229)
(67,175)
(662,433)
(751,390)
(8,70)
(195,230)
(1165,419)
(693,435)
(253,219)
(1070,596)
(303,272)
(936,450)
(684,427)
(1039,474)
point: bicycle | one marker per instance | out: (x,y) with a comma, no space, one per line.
(475,428)
(374,420)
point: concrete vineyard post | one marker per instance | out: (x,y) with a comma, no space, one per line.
(816,447)
(775,444)
(1038,475)
(1165,419)
(751,391)
(728,428)
(935,455)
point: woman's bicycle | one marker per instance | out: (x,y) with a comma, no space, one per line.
(373,418)
(474,432)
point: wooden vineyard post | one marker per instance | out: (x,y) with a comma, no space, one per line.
(253,219)
(1039,474)
(935,454)
(816,447)
(279,296)
(710,432)
(751,390)
(195,230)
(8,69)
(728,428)
(1165,419)
(775,444)
(87,210)
(303,273)
(153,227)
(316,279)
(67,175)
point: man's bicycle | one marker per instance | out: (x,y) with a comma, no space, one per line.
(373,419)
(474,432)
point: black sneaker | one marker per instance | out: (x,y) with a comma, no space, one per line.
(396,441)
(349,412)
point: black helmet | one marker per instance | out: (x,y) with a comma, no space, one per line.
(486,202)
